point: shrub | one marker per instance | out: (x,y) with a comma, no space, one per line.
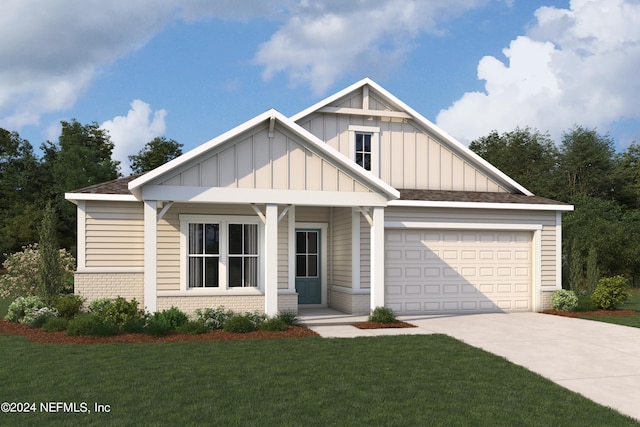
(21,278)
(83,324)
(36,317)
(99,306)
(585,303)
(193,328)
(158,326)
(19,307)
(68,306)
(121,312)
(240,323)
(611,292)
(55,324)
(289,317)
(273,324)
(383,315)
(564,300)
(213,318)
(173,316)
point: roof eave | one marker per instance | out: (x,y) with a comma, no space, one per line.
(481,205)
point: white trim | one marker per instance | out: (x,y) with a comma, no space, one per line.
(212,292)
(377,258)
(109,270)
(428,125)
(150,256)
(479,205)
(73,197)
(291,249)
(375,145)
(462,225)
(558,251)
(271,260)
(355,248)
(253,195)
(536,268)
(365,112)
(81,230)
(324,227)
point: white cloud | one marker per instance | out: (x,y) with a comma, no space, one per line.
(51,51)
(574,66)
(131,132)
(322,41)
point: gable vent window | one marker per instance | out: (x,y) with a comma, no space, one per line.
(364,147)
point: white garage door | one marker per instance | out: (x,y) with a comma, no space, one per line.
(440,271)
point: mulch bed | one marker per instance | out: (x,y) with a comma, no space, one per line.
(40,336)
(593,313)
(378,325)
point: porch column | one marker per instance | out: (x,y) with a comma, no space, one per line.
(271,261)
(150,255)
(377,258)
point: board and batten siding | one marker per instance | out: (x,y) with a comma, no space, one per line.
(410,156)
(341,236)
(506,217)
(114,234)
(256,161)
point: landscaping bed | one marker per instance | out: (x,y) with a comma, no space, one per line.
(380,325)
(597,313)
(40,336)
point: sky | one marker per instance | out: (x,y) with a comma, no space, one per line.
(190,70)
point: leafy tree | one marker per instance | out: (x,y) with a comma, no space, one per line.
(155,153)
(526,155)
(627,176)
(20,190)
(82,157)
(586,164)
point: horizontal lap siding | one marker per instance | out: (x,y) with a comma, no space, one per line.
(470,216)
(114,234)
(342,247)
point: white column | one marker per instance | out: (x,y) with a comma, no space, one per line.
(150,255)
(81,259)
(377,258)
(291,224)
(271,261)
(355,249)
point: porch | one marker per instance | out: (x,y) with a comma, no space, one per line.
(327,317)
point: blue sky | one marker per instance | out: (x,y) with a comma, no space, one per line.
(191,70)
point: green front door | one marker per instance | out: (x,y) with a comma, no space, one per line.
(308,285)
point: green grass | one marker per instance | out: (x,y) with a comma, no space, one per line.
(384,381)
(632,303)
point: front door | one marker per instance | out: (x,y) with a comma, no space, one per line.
(308,285)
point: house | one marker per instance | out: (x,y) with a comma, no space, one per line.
(353,203)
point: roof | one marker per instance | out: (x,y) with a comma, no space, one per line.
(116,186)
(474,197)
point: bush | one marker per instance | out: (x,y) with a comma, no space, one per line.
(99,306)
(193,328)
(213,318)
(564,300)
(611,292)
(21,278)
(383,315)
(55,324)
(158,326)
(36,317)
(585,303)
(240,323)
(68,306)
(273,324)
(90,324)
(121,312)
(173,316)
(19,307)
(289,317)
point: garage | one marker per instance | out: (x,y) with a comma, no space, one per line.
(454,271)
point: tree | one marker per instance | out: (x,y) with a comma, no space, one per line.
(21,186)
(627,176)
(50,272)
(82,157)
(526,155)
(155,153)
(586,164)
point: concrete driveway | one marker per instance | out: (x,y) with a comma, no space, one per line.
(601,361)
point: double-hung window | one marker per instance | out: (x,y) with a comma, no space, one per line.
(365,147)
(220,252)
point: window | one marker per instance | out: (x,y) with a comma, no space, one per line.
(220,252)
(365,147)
(363,150)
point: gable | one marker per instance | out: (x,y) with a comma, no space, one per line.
(259,159)
(413,153)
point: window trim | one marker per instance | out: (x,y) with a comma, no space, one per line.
(223,275)
(374,131)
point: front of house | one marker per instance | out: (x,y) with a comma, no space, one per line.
(354,203)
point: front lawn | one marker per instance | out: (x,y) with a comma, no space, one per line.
(392,380)
(632,303)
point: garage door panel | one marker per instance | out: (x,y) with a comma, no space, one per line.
(450,271)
